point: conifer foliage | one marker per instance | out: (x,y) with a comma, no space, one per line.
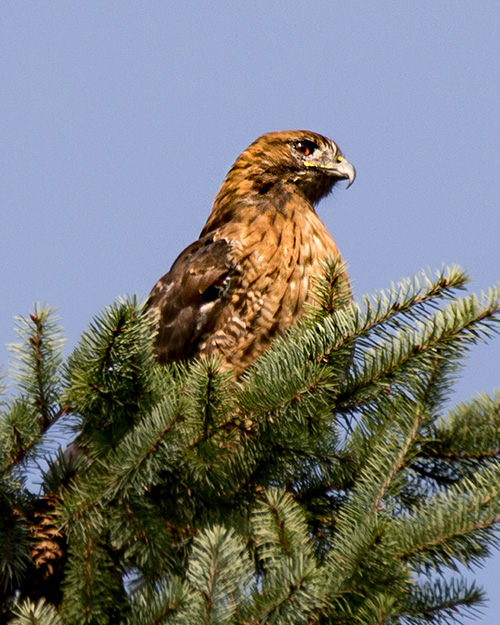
(329,484)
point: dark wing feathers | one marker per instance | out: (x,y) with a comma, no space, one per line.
(185,299)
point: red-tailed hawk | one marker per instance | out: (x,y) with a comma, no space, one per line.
(246,279)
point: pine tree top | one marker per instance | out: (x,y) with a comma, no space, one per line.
(330,483)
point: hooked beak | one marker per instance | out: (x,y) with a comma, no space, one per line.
(340,168)
(343,169)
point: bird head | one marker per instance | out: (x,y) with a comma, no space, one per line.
(289,161)
(275,167)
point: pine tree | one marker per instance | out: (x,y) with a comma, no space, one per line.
(330,484)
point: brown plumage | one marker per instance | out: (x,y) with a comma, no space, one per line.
(247,277)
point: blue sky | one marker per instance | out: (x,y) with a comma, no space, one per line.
(119,121)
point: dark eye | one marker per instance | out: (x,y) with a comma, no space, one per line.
(306,148)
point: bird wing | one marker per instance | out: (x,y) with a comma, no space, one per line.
(187,299)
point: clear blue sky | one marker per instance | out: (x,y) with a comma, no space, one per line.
(119,121)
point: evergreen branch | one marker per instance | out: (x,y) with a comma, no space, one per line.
(441,602)
(19,433)
(211,392)
(469,437)
(294,366)
(452,526)
(410,295)
(279,528)
(220,570)
(40,613)
(408,300)
(134,464)
(364,521)
(167,440)
(295,594)
(167,602)
(403,358)
(138,532)
(286,371)
(158,445)
(290,575)
(163,443)
(470,431)
(37,361)
(329,291)
(14,537)
(375,609)
(93,584)
(111,376)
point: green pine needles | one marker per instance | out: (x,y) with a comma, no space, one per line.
(330,484)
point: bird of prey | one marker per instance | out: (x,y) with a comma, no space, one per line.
(247,277)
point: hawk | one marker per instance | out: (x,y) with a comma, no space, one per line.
(247,277)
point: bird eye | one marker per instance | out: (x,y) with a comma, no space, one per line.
(306,148)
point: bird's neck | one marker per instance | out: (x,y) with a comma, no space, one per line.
(243,197)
